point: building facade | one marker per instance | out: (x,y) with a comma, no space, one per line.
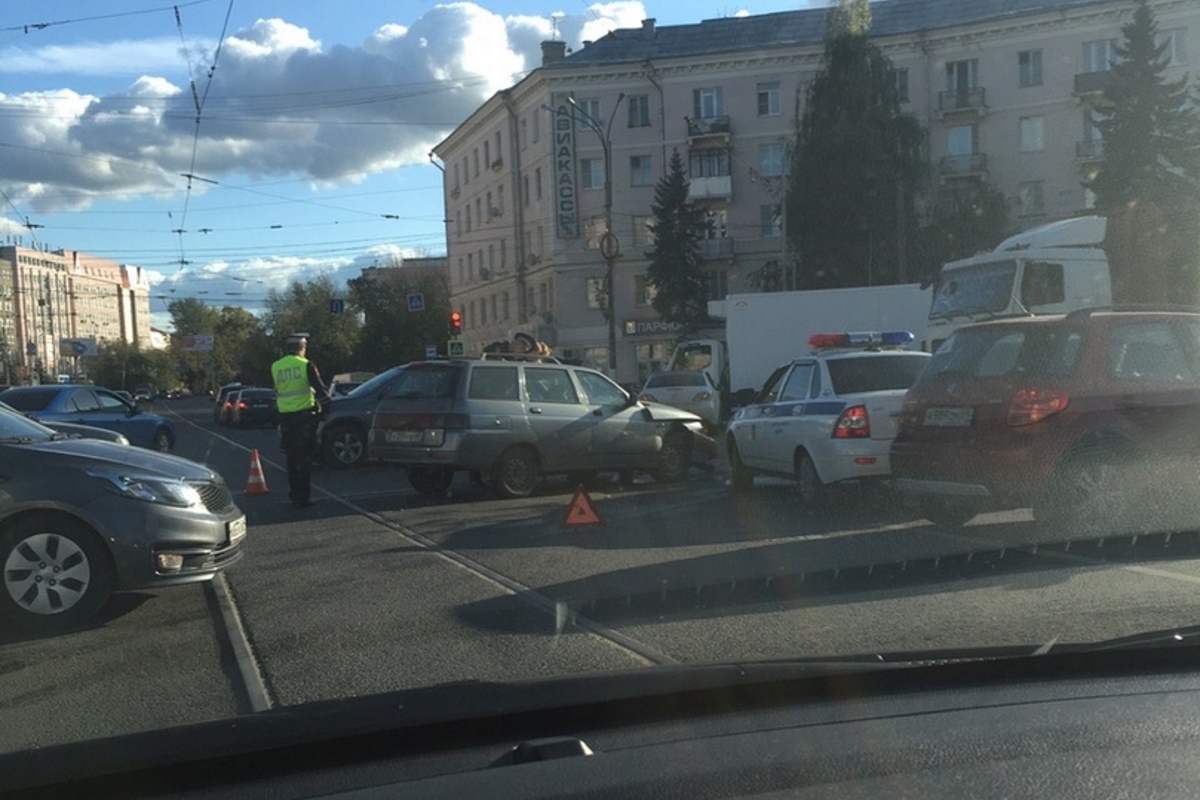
(535,176)
(49,296)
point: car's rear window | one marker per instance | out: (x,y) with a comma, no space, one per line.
(29,399)
(494,383)
(675,379)
(1047,352)
(875,373)
(427,382)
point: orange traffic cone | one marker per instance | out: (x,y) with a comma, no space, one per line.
(256,483)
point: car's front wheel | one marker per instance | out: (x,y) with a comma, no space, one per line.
(431,480)
(344,446)
(56,573)
(163,440)
(674,459)
(516,472)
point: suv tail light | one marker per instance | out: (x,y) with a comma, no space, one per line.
(1034,405)
(853,424)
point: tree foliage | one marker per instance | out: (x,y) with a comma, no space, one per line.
(120,365)
(972,221)
(857,164)
(1148,183)
(675,264)
(392,334)
(306,307)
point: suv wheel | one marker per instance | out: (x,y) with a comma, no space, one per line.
(56,573)
(743,477)
(431,480)
(163,441)
(813,493)
(1088,493)
(674,459)
(344,446)
(947,513)
(517,472)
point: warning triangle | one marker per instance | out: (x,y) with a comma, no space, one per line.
(581,512)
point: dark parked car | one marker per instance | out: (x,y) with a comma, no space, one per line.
(91,405)
(347,421)
(1089,418)
(252,406)
(81,519)
(223,409)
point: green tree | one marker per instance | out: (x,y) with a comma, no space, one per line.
(121,365)
(306,307)
(680,294)
(392,334)
(191,317)
(967,222)
(857,164)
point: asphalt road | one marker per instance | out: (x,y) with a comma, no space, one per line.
(377,588)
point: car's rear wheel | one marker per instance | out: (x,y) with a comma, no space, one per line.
(813,492)
(431,480)
(947,513)
(163,440)
(57,574)
(674,459)
(516,473)
(1088,493)
(742,476)
(344,446)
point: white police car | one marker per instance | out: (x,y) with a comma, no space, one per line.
(828,417)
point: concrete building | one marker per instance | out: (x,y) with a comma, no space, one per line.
(49,296)
(1002,86)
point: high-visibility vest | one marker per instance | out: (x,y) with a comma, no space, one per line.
(292,391)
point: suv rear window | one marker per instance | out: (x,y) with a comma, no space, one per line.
(1049,352)
(874,374)
(427,382)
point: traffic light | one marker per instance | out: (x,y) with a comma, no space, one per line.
(455,323)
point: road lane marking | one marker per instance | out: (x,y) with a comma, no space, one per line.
(235,632)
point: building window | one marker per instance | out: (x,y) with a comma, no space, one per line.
(595,293)
(591,173)
(1176,46)
(537,182)
(470,320)
(717,284)
(537,127)
(470,266)
(466,171)
(962,76)
(770,160)
(462,271)
(708,103)
(503,254)
(1029,67)
(525,189)
(482,311)
(487,154)
(458,228)
(961,140)
(500,198)
(504,306)
(479,218)
(495,316)
(1098,55)
(499,158)
(544,296)
(900,83)
(644,291)
(1030,200)
(770,221)
(593,229)
(524,133)
(768,99)
(468,218)
(1033,138)
(641,172)
(639,110)
(716,224)
(590,108)
(708,163)
(475,156)
(491,258)
(643,231)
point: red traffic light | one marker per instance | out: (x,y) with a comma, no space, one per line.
(456,321)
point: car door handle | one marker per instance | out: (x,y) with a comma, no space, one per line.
(535,410)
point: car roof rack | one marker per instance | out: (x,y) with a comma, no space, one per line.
(1165,307)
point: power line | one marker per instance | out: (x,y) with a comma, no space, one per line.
(30,27)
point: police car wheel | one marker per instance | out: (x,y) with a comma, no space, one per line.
(742,478)
(813,493)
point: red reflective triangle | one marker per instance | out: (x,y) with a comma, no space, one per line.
(581,512)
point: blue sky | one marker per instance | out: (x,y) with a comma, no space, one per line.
(311,152)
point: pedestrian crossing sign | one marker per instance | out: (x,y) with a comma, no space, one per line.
(455,348)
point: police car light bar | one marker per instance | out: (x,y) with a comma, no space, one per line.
(826,341)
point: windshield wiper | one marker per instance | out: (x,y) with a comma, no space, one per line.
(17,440)
(965,312)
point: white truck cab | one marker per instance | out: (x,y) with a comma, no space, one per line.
(1050,269)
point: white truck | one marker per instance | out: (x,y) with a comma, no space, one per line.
(1050,269)
(765,330)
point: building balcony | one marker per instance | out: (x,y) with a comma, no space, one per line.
(1091,83)
(973,165)
(957,101)
(712,126)
(1088,151)
(716,248)
(716,186)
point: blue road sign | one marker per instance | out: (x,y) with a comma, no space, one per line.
(416,302)
(337,305)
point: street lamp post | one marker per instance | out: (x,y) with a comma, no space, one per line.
(610,247)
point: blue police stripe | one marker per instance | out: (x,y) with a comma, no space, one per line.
(824,408)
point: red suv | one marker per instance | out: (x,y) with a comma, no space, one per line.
(1092,419)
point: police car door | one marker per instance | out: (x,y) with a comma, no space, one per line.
(752,426)
(786,426)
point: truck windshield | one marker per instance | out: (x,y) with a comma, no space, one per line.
(693,358)
(980,289)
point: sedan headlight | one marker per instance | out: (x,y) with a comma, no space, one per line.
(149,489)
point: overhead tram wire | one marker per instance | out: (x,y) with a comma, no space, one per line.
(30,27)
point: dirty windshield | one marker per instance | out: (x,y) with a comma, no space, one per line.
(701,334)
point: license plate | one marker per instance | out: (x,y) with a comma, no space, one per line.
(404,437)
(949,417)
(236,530)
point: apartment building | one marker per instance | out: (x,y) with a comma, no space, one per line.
(48,296)
(1002,86)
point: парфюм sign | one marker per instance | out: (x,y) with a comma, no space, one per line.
(566,208)
(641,327)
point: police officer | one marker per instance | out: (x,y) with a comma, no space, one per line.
(300,395)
